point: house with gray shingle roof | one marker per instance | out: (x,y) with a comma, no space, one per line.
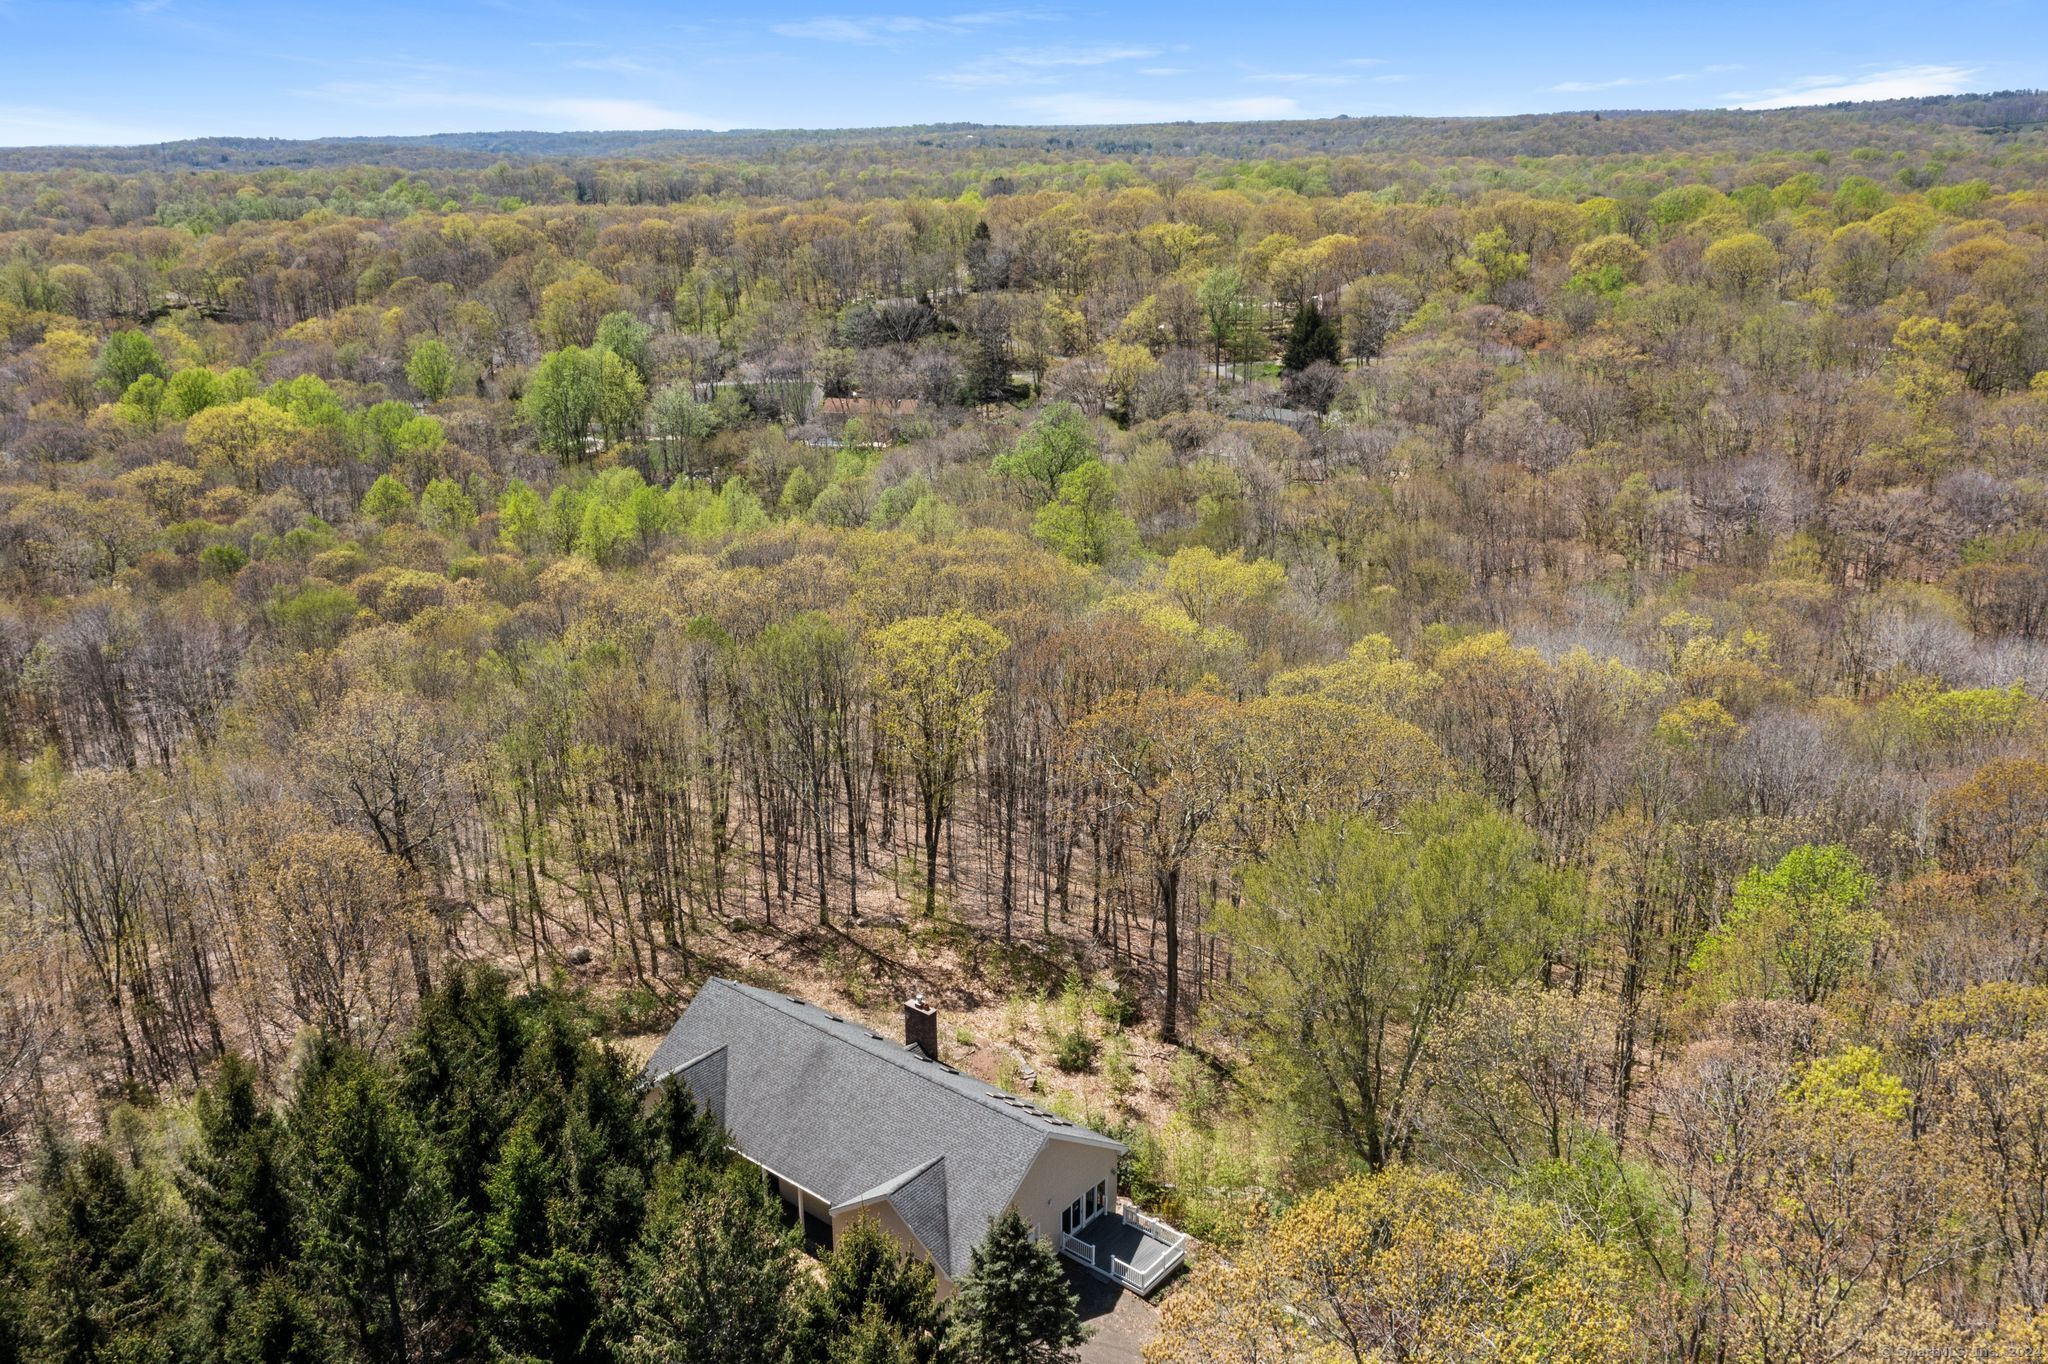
(848,1124)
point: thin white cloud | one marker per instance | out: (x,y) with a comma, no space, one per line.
(833,30)
(35,125)
(1363,61)
(624,66)
(1162,70)
(1618,82)
(1035,66)
(882,28)
(557,113)
(1298,78)
(1904,82)
(995,18)
(1579,87)
(1078,107)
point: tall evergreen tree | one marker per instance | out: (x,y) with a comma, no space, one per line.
(867,1278)
(1313,337)
(1014,1305)
(541,1300)
(384,1239)
(234,1180)
(14,1291)
(109,1269)
(870,1339)
(458,1073)
(715,1274)
(677,1129)
(275,1324)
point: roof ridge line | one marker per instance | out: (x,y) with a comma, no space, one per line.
(983,1093)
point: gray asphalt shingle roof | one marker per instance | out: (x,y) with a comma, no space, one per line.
(858,1119)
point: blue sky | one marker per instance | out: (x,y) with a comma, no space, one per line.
(152,70)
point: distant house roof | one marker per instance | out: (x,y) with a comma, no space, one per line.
(857,1119)
(870,407)
(1295,417)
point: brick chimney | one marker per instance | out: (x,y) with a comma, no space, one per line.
(921,1027)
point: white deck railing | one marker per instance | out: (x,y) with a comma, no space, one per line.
(1122,1271)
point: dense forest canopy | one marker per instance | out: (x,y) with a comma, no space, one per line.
(1472,689)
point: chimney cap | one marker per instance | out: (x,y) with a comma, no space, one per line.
(921,1027)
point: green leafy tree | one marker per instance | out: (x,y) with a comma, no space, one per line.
(578,393)
(388,501)
(1742,266)
(125,357)
(1054,445)
(681,425)
(315,617)
(430,369)
(192,391)
(1406,1265)
(1014,1305)
(561,401)
(799,491)
(245,439)
(1358,943)
(1227,313)
(1797,931)
(933,676)
(626,337)
(519,516)
(444,506)
(1084,523)
(142,404)
(312,403)
(373,430)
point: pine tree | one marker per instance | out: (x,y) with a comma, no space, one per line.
(715,1274)
(383,1236)
(1313,337)
(14,1291)
(604,1146)
(541,1299)
(234,1181)
(1014,1305)
(275,1325)
(679,1130)
(459,1075)
(871,1339)
(867,1275)
(109,1273)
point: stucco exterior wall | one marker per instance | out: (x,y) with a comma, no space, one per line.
(1063,1172)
